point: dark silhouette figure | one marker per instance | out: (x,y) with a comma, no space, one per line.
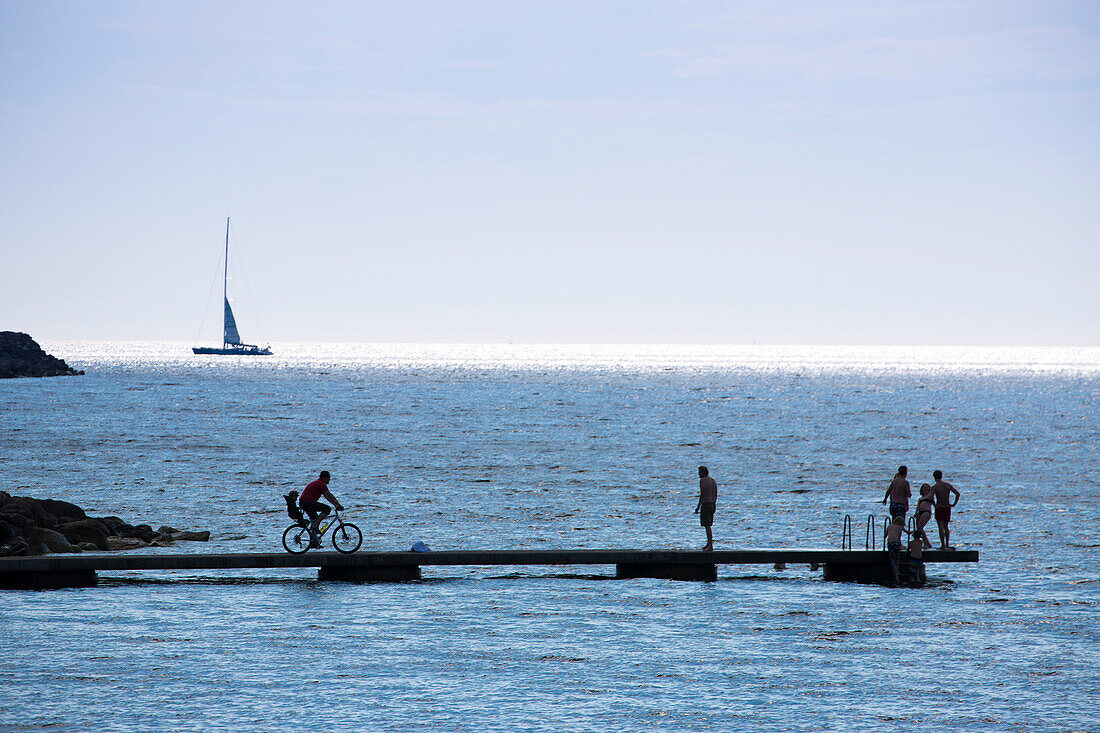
(315,509)
(708,498)
(942,491)
(898,493)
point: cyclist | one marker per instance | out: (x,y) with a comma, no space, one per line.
(315,509)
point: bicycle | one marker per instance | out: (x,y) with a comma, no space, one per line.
(297,538)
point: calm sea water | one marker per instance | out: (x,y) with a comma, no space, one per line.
(563,447)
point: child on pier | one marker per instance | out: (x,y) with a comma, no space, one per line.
(917,542)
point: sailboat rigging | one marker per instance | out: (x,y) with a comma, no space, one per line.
(231,338)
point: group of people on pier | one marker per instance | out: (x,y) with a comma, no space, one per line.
(935,500)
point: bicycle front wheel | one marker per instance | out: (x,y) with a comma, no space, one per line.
(296,539)
(346,538)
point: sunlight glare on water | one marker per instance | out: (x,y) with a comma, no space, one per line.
(484,446)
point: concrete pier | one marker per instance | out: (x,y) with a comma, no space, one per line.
(627,570)
(62,571)
(48,579)
(369,573)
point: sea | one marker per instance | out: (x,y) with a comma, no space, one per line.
(563,446)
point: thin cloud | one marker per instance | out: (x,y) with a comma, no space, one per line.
(1038,55)
(486,65)
(443,111)
(766,17)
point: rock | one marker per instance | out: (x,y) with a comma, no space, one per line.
(63,511)
(54,541)
(142,532)
(113,524)
(21,356)
(16,524)
(31,509)
(87,531)
(125,543)
(192,536)
(37,526)
(17,546)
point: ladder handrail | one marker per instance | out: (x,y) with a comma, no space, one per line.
(846,533)
(869,536)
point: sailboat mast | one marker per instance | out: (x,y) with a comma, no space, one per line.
(225,284)
(225,270)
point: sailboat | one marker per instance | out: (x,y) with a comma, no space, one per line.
(231,338)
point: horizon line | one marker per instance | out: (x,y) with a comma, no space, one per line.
(686,344)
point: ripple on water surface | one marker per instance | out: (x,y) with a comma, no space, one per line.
(555,447)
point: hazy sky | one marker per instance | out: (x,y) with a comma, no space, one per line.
(804,172)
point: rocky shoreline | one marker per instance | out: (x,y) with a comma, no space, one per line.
(30,526)
(21,356)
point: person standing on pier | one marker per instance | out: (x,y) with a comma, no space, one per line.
(942,491)
(310,504)
(923,513)
(708,499)
(898,493)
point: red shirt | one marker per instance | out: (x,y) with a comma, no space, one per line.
(313,491)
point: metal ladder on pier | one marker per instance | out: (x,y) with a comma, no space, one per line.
(869,542)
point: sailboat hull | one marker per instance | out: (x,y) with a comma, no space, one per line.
(242,350)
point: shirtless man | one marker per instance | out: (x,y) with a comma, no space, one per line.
(708,498)
(923,513)
(898,493)
(942,491)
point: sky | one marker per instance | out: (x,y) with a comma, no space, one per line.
(766,172)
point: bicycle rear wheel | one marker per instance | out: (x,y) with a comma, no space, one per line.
(296,539)
(346,538)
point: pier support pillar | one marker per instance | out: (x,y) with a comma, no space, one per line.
(666,571)
(369,573)
(875,573)
(47,579)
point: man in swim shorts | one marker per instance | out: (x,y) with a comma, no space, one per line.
(315,509)
(893,534)
(942,491)
(898,493)
(708,499)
